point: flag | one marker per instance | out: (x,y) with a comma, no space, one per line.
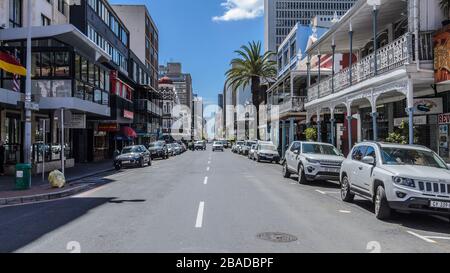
(16,82)
(11,65)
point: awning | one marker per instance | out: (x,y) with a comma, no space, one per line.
(129,132)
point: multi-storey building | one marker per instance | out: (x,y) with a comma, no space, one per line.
(68,76)
(197,117)
(82,67)
(168,93)
(282,15)
(144,68)
(182,82)
(389,77)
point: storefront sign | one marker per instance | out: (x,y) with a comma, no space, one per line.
(128,114)
(442,55)
(418,120)
(444,118)
(75,121)
(428,106)
(108,127)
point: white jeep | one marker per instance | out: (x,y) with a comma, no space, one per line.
(406,178)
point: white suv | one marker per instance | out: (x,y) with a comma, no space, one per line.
(312,161)
(402,177)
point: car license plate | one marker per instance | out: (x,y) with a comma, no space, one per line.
(439,204)
(332,170)
(126,162)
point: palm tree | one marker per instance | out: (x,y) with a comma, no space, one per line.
(249,69)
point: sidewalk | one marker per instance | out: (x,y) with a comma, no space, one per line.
(40,190)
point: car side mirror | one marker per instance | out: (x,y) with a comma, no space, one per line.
(448,165)
(369,160)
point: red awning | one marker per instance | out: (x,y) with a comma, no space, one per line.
(129,132)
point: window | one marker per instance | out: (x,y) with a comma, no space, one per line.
(61,6)
(105,98)
(62,64)
(79,90)
(45,21)
(89,93)
(371,152)
(98,96)
(93,4)
(46,64)
(295,146)
(358,153)
(91,73)
(84,69)
(77,67)
(15,13)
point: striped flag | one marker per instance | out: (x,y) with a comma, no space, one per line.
(16,82)
(10,64)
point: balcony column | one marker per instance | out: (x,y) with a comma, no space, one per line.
(283,138)
(410,111)
(350,56)
(375,30)
(291,130)
(319,127)
(374,115)
(333,49)
(308,72)
(349,125)
(319,56)
(332,130)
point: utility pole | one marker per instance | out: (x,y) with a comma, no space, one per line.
(27,146)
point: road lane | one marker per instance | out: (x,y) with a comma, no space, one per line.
(178,206)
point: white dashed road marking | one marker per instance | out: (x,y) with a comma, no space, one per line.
(426,239)
(345,211)
(199,222)
(206,180)
(207,169)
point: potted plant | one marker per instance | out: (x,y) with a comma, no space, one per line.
(445,6)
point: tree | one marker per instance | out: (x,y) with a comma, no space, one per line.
(311,134)
(248,69)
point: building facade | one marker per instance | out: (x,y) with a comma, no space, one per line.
(85,79)
(282,15)
(182,82)
(389,79)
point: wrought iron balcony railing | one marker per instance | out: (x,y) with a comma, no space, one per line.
(389,58)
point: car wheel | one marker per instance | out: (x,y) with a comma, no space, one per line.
(149,162)
(346,194)
(141,162)
(301,175)
(117,166)
(382,209)
(258,159)
(286,173)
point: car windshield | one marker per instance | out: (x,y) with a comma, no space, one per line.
(239,143)
(268,147)
(128,150)
(250,143)
(311,148)
(402,156)
(155,144)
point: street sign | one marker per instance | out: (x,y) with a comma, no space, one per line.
(31,105)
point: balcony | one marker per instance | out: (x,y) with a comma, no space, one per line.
(149,106)
(293,104)
(389,57)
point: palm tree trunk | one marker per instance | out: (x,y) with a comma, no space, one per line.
(256,100)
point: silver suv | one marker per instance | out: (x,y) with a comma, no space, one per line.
(312,161)
(401,177)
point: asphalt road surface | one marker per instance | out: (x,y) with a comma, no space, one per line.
(213,202)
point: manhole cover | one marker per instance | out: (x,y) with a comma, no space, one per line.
(277,237)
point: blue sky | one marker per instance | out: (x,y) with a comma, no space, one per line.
(202,35)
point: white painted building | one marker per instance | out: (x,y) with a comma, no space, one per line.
(52,12)
(381,81)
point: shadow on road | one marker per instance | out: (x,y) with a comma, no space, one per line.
(127,201)
(21,225)
(414,221)
(320,183)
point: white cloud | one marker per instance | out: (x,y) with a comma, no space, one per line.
(240,10)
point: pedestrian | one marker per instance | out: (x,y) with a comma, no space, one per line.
(2,158)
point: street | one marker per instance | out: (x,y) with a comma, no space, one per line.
(212,202)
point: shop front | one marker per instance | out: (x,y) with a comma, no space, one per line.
(442,87)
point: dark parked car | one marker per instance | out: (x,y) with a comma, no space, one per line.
(137,156)
(158,149)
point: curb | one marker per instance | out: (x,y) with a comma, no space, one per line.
(17,200)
